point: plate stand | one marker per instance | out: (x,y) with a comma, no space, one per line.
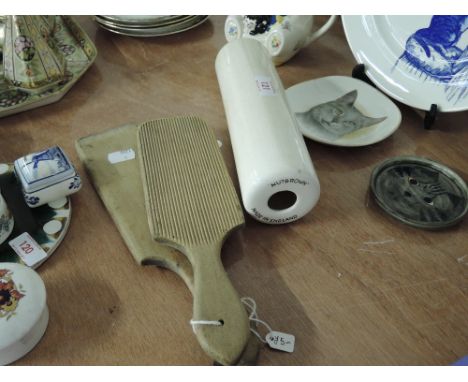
(359,72)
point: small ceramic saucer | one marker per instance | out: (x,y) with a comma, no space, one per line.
(343,111)
(53,220)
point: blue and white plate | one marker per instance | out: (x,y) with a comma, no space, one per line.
(417,60)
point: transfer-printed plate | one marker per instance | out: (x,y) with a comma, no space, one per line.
(418,60)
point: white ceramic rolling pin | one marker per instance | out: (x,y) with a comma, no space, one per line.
(276,175)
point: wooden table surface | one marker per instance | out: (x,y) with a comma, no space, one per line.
(353,285)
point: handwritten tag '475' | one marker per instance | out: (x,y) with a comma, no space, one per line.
(281,341)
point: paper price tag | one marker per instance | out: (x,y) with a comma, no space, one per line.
(265,85)
(28,249)
(281,341)
(121,156)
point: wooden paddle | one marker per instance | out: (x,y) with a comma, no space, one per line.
(192,206)
(119,186)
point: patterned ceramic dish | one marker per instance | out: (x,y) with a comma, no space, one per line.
(418,60)
(79,53)
(53,220)
(23,311)
(46,176)
(32,60)
(343,111)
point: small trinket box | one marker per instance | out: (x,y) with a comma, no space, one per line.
(23,311)
(46,176)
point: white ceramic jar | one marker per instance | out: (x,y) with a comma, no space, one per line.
(23,311)
(46,176)
(277,179)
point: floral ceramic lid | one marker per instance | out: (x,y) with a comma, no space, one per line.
(23,311)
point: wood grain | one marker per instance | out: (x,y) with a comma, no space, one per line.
(353,285)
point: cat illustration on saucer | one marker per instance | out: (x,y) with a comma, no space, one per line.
(342,111)
(338,117)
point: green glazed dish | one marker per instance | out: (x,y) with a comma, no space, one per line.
(71,49)
(420,192)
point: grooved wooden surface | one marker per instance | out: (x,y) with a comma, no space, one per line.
(353,285)
(190,197)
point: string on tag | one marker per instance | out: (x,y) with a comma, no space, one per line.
(274,339)
(204,322)
(252,305)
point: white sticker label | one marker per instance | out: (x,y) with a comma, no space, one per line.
(121,156)
(265,85)
(28,249)
(281,341)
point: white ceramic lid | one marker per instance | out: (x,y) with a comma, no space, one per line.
(43,169)
(23,311)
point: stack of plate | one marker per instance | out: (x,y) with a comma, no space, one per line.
(148,26)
